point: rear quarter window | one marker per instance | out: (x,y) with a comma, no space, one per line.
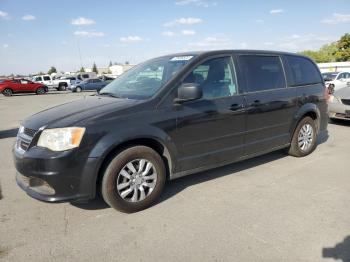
(302,71)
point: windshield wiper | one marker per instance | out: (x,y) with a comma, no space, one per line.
(109,94)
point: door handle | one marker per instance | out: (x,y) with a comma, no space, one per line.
(235,107)
(256,103)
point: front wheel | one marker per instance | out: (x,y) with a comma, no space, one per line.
(134,179)
(7,92)
(304,139)
(78,89)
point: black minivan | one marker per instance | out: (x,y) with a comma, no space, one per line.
(169,117)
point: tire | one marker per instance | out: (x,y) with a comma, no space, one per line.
(62,87)
(119,165)
(40,91)
(7,92)
(78,89)
(296,149)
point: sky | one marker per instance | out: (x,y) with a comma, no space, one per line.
(37,34)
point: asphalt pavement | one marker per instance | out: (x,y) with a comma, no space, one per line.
(270,208)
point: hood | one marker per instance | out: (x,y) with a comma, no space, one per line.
(72,113)
(343,93)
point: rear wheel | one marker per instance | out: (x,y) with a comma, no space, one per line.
(304,139)
(134,179)
(40,91)
(62,86)
(7,92)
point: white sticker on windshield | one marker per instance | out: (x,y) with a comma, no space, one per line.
(181,58)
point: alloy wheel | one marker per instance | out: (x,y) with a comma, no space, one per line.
(305,137)
(136,180)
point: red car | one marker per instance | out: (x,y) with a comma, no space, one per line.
(11,86)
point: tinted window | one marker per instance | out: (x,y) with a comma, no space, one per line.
(303,71)
(46,78)
(85,76)
(38,78)
(262,72)
(216,77)
(144,80)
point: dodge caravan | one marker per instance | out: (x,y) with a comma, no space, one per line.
(169,117)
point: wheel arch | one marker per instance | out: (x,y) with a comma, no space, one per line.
(310,110)
(152,142)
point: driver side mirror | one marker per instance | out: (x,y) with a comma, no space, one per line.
(188,92)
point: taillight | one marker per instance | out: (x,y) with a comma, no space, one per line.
(327,94)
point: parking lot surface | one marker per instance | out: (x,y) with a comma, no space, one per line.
(270,208)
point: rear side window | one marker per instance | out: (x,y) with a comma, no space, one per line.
(262,72)
(302,71)
(46,78)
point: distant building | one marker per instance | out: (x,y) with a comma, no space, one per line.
(334,67)
(114,70)
(117,70)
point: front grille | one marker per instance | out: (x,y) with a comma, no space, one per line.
(29,132)
(25,138)
(346,101)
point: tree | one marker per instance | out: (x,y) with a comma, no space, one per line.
(110,64)
(343,49)
(127,62)
(324,55)
(52,70)
(82,70)
(94,68)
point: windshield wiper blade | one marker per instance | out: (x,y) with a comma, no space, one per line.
(109,94)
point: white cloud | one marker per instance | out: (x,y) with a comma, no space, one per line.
(276,11)
(28,17)
(269,43)
(337,19)
(297,43)
(89,34)
(243,45)
(82,21)
(188,32)
(200,3)
(184,21)
(130,39)
(5,45)
(212,43)
(4,15)
(169,33)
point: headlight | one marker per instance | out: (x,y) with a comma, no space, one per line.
(60,139)
(335,99)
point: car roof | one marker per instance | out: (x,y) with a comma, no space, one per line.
(238,51)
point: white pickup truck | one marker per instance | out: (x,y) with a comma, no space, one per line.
(63,83)
(60,84)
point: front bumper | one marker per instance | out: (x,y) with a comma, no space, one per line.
(55,176)
(339,111)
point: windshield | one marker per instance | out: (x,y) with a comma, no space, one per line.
(144,80)
(328,76)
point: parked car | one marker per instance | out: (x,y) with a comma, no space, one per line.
(107,79)
(88,85)
(336,80)
(170,117)
(339,104)
(60,84)
(8,87)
